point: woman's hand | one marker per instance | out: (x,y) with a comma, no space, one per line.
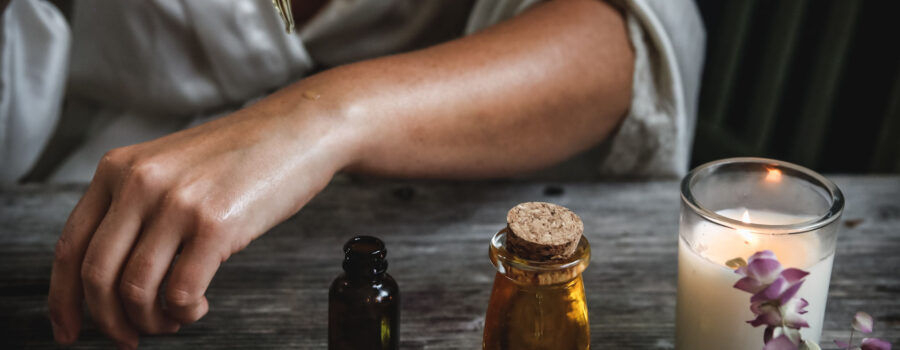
(202,194)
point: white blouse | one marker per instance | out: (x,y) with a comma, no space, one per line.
(140,69)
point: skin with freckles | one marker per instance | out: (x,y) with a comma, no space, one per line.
(516,97)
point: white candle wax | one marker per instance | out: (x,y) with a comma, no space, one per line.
(711,313)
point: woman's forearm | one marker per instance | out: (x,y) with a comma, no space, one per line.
(519,96)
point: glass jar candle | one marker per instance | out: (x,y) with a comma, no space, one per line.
(733,208)
(537,304)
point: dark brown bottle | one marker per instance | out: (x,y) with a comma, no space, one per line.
(364,301)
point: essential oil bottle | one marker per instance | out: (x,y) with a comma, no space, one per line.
(538,299)
(364,301)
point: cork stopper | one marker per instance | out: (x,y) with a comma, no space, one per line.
(542,231)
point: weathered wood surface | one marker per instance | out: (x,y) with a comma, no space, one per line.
(273,295)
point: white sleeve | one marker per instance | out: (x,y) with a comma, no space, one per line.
(654,140)
(34,51)
(486,13)
(656,136)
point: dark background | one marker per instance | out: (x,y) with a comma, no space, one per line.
(815,82)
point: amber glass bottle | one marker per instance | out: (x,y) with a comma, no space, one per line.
(537,305)
(364,301)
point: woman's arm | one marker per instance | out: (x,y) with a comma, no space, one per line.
(516,97)
(519,96)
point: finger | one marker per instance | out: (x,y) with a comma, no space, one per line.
(143,274)
(193,271)
(102,266)
(64,298)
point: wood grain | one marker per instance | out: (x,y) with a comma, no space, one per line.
(273,295)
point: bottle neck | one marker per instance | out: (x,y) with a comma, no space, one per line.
(364,258)
(368,270)
(538,273)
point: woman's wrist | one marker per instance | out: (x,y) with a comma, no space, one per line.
(315,127)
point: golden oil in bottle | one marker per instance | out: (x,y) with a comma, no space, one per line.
(537,305)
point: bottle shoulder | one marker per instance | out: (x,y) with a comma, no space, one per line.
(383,288)
(388,282)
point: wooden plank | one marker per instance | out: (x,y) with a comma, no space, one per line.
(274,293)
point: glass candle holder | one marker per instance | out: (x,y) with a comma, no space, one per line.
(537,304)
(733,208)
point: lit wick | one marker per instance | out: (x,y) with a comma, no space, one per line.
(748,237)
(774,175)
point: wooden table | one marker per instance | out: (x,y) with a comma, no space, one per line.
(273,295)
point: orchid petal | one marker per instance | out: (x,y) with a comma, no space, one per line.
(842,345)
(875,344)
(771,292)
(789,294)
(763,254)
(800,306)
(793,275)
(795,321)
(780,343)
(764,270)
(749,285)
(771,318)
(791,314)
(761,306)
(863,322)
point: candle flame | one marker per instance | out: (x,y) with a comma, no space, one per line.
(748,237)
(774,175)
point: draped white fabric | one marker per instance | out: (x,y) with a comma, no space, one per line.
(34,51)
(656,137)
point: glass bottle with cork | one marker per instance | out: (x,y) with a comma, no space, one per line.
(364,301)
(538,299)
